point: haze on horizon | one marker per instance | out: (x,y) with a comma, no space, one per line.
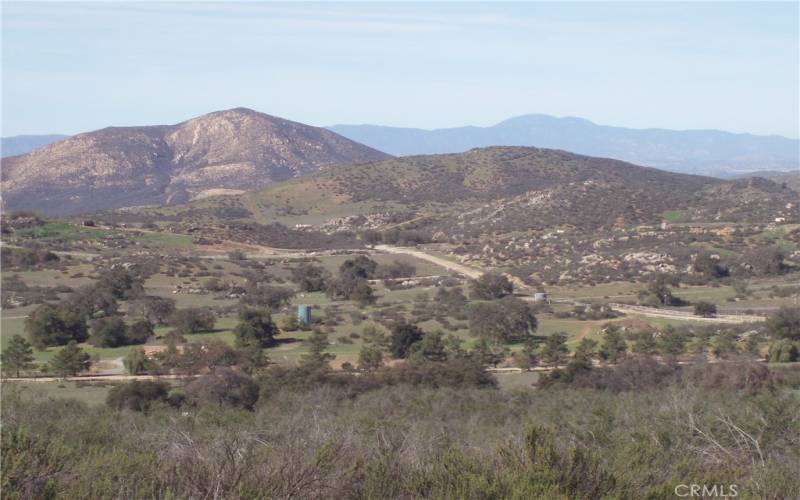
(70,67)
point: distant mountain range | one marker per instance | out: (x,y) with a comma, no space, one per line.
(222,152)
(21,144)
(707,152)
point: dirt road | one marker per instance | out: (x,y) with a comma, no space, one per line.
(684,316)
(98,378)
(469,272)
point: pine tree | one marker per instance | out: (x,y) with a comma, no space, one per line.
(70,360)
(17,356)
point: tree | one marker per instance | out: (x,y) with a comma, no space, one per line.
(430,348)
(613,346)
(705,309)
(783,351)
(52,326)
(193,320)
(224,387)
(403,336)
(490,286)
(70,360)
(362,293)
(505,320)
(109,332)
(156,310)
(671,342)
(644,343)
(373,334)
(17,356)
(136,362)
(361,267)
(351,287)
(724,344)
(290,323)
(262,295)
(528,357)
(317,358)
(310,278)
(92,301)
(488,352)
(139,332)
(785,323)
(709,266)
(123,283)
(659,288)
(554,349)
(586,349)
(764,260)
(370,357)
(255,328)
(453,348)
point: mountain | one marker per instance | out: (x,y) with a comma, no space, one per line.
(490,192)
(222,152)
(790,179)
(21,144)
(708,152)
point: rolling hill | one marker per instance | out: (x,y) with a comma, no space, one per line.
(708,152)
(494,190)
(221,152)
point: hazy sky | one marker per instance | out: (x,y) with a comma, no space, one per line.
(76,67)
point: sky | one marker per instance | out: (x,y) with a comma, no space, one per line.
(75,67)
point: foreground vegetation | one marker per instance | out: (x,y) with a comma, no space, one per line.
(329,438)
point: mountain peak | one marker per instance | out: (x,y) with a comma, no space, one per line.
(236,149)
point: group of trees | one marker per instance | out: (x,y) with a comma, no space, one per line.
(18,358)
(352,282)
(114,332)
(506,320)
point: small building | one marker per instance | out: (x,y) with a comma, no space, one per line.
(541,297)
(304,314)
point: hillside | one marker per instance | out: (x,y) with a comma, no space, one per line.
(222,152)
(21,144)
(499,189)
(708,152)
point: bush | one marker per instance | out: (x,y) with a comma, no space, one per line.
(137,396)
(783,351)
(224,387)
(785,323)
(705,309)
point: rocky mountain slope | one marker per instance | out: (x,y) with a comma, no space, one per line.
(707,152)
(222,152)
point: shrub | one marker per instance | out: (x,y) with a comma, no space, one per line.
(137,396)
(224,387)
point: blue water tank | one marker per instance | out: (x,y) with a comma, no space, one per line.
(304,314)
